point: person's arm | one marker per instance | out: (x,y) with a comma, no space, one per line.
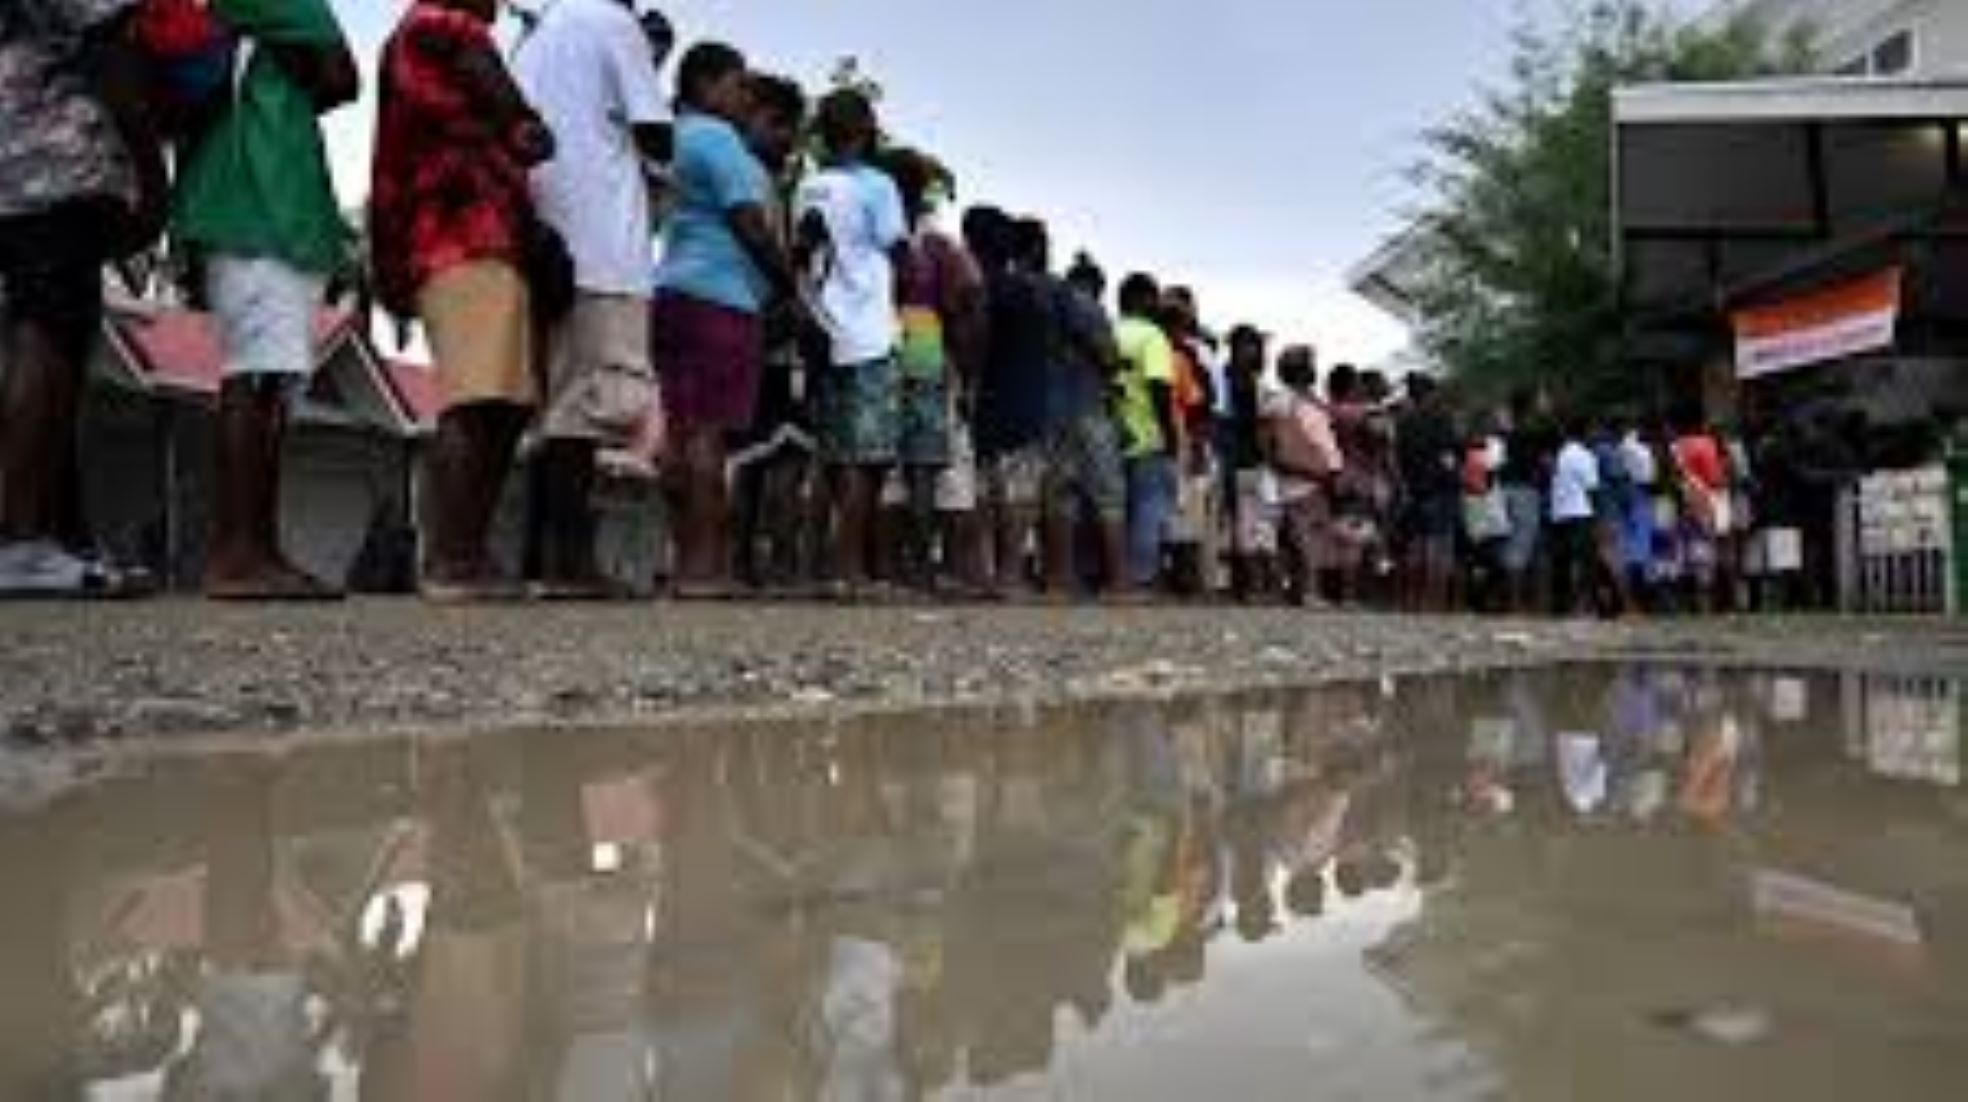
(754,232)
(638,90)
(328,74)
(969,323)
(1161,395)
(302,37)
(501,107)
(119,75)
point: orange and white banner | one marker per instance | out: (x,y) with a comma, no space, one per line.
(1855,317)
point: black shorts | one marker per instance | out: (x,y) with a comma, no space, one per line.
(51,265)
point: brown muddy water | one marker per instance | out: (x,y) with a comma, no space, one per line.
(1591,883)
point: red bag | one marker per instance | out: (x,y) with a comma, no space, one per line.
(178,30)
(192,53)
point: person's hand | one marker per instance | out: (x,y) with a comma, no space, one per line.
(534,142)
(143,222)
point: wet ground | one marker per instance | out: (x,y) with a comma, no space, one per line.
(80,675)
(1604,881)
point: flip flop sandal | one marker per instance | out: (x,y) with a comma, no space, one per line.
(593,591)
(484,591)
(96,581)
(283,587)
(702,593)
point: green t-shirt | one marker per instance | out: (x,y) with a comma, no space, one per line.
(1146,358)
(257,183)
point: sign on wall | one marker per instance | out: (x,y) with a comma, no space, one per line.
(1845,320)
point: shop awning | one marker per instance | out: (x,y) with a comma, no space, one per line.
(1735,195)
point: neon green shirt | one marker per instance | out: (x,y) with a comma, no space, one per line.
(1146,358)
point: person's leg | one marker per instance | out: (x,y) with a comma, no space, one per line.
(469,456)
(243,552)
(750,484)
(566,478)
(854,490)
(48,322)
(889,533)
(1151,497)
(919,484)
(705,512)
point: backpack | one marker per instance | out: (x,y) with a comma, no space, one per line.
(192,56)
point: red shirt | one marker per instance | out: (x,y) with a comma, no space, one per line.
(449,184)
(1700,457)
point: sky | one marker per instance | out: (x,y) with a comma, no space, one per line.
(1254,149)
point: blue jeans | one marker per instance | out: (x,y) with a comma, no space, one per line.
(1150,506)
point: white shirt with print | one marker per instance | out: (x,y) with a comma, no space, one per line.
(850,286)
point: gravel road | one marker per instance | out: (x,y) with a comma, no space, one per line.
(75,674)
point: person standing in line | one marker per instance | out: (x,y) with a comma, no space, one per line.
(1193,527)
(1428,453)
(1145,413)
(1083,457)
(852,234)
(1010,394)
(256,204)
(450,215)
(1356,529)
(1574,483)
(1252,500)
(942,301)
(1701,466)
(1611,504)
(722,264)
(82,182)
(586,66)
(1642,473)
(1529,450)
(773,460)
(1302,451)
(1485,518)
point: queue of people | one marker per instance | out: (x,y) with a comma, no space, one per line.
(840,395)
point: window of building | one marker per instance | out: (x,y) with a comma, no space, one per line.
(1894,55)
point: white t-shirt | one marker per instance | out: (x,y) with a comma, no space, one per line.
(851,284)
(1639,461)
(1574,482)
(586,68)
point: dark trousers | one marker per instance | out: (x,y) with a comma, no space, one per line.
(1574,563)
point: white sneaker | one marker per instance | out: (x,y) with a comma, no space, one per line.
(38,568)
(43,568)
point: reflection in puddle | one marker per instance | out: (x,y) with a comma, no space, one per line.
(1639,883)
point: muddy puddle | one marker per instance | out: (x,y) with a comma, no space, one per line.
(1603,883)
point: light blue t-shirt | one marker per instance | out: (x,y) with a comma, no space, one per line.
(714,174)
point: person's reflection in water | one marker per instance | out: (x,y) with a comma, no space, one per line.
(38,998)
(1720,776)
(464,1036)
(1305,893)
(254,1039)
(1248,830)
(704,1009)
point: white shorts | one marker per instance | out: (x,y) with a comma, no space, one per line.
(956,485)
(1258,512)
(266,311)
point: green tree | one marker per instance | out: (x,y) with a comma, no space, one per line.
(1520,288)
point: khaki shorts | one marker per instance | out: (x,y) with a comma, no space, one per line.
(478,320)
(600,381)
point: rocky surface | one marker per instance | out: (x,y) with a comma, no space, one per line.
(74,674)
